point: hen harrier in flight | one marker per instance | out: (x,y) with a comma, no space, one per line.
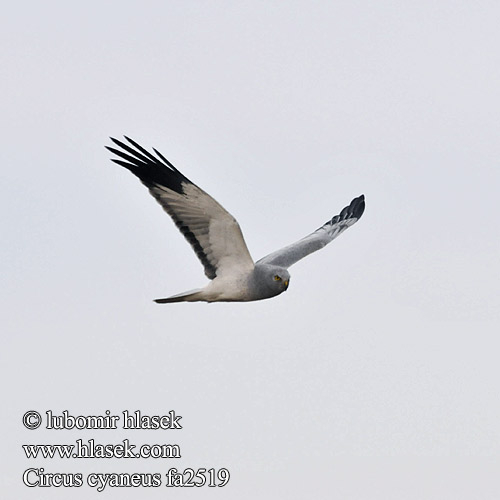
(216,236)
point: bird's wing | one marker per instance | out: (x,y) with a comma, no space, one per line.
(214,233)
(290,254)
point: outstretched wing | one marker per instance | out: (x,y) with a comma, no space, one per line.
(292,253)
(214,233)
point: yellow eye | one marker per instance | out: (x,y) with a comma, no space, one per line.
(277,278)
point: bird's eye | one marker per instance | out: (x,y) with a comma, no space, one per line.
(277,278)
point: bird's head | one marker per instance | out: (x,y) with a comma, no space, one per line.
(270,280)
(281,279)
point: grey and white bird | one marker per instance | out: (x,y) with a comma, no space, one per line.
(216,237)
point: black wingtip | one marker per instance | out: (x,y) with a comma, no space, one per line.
(146,166)
(358,206)
(354,210)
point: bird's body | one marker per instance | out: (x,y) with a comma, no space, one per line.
(240,287)
(216,237)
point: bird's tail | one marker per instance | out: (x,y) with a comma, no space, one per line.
(189,296)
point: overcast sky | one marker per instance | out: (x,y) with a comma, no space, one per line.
(375,376)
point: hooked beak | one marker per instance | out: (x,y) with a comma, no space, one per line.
(286,284)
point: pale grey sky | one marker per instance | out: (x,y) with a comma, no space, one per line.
(375,376)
